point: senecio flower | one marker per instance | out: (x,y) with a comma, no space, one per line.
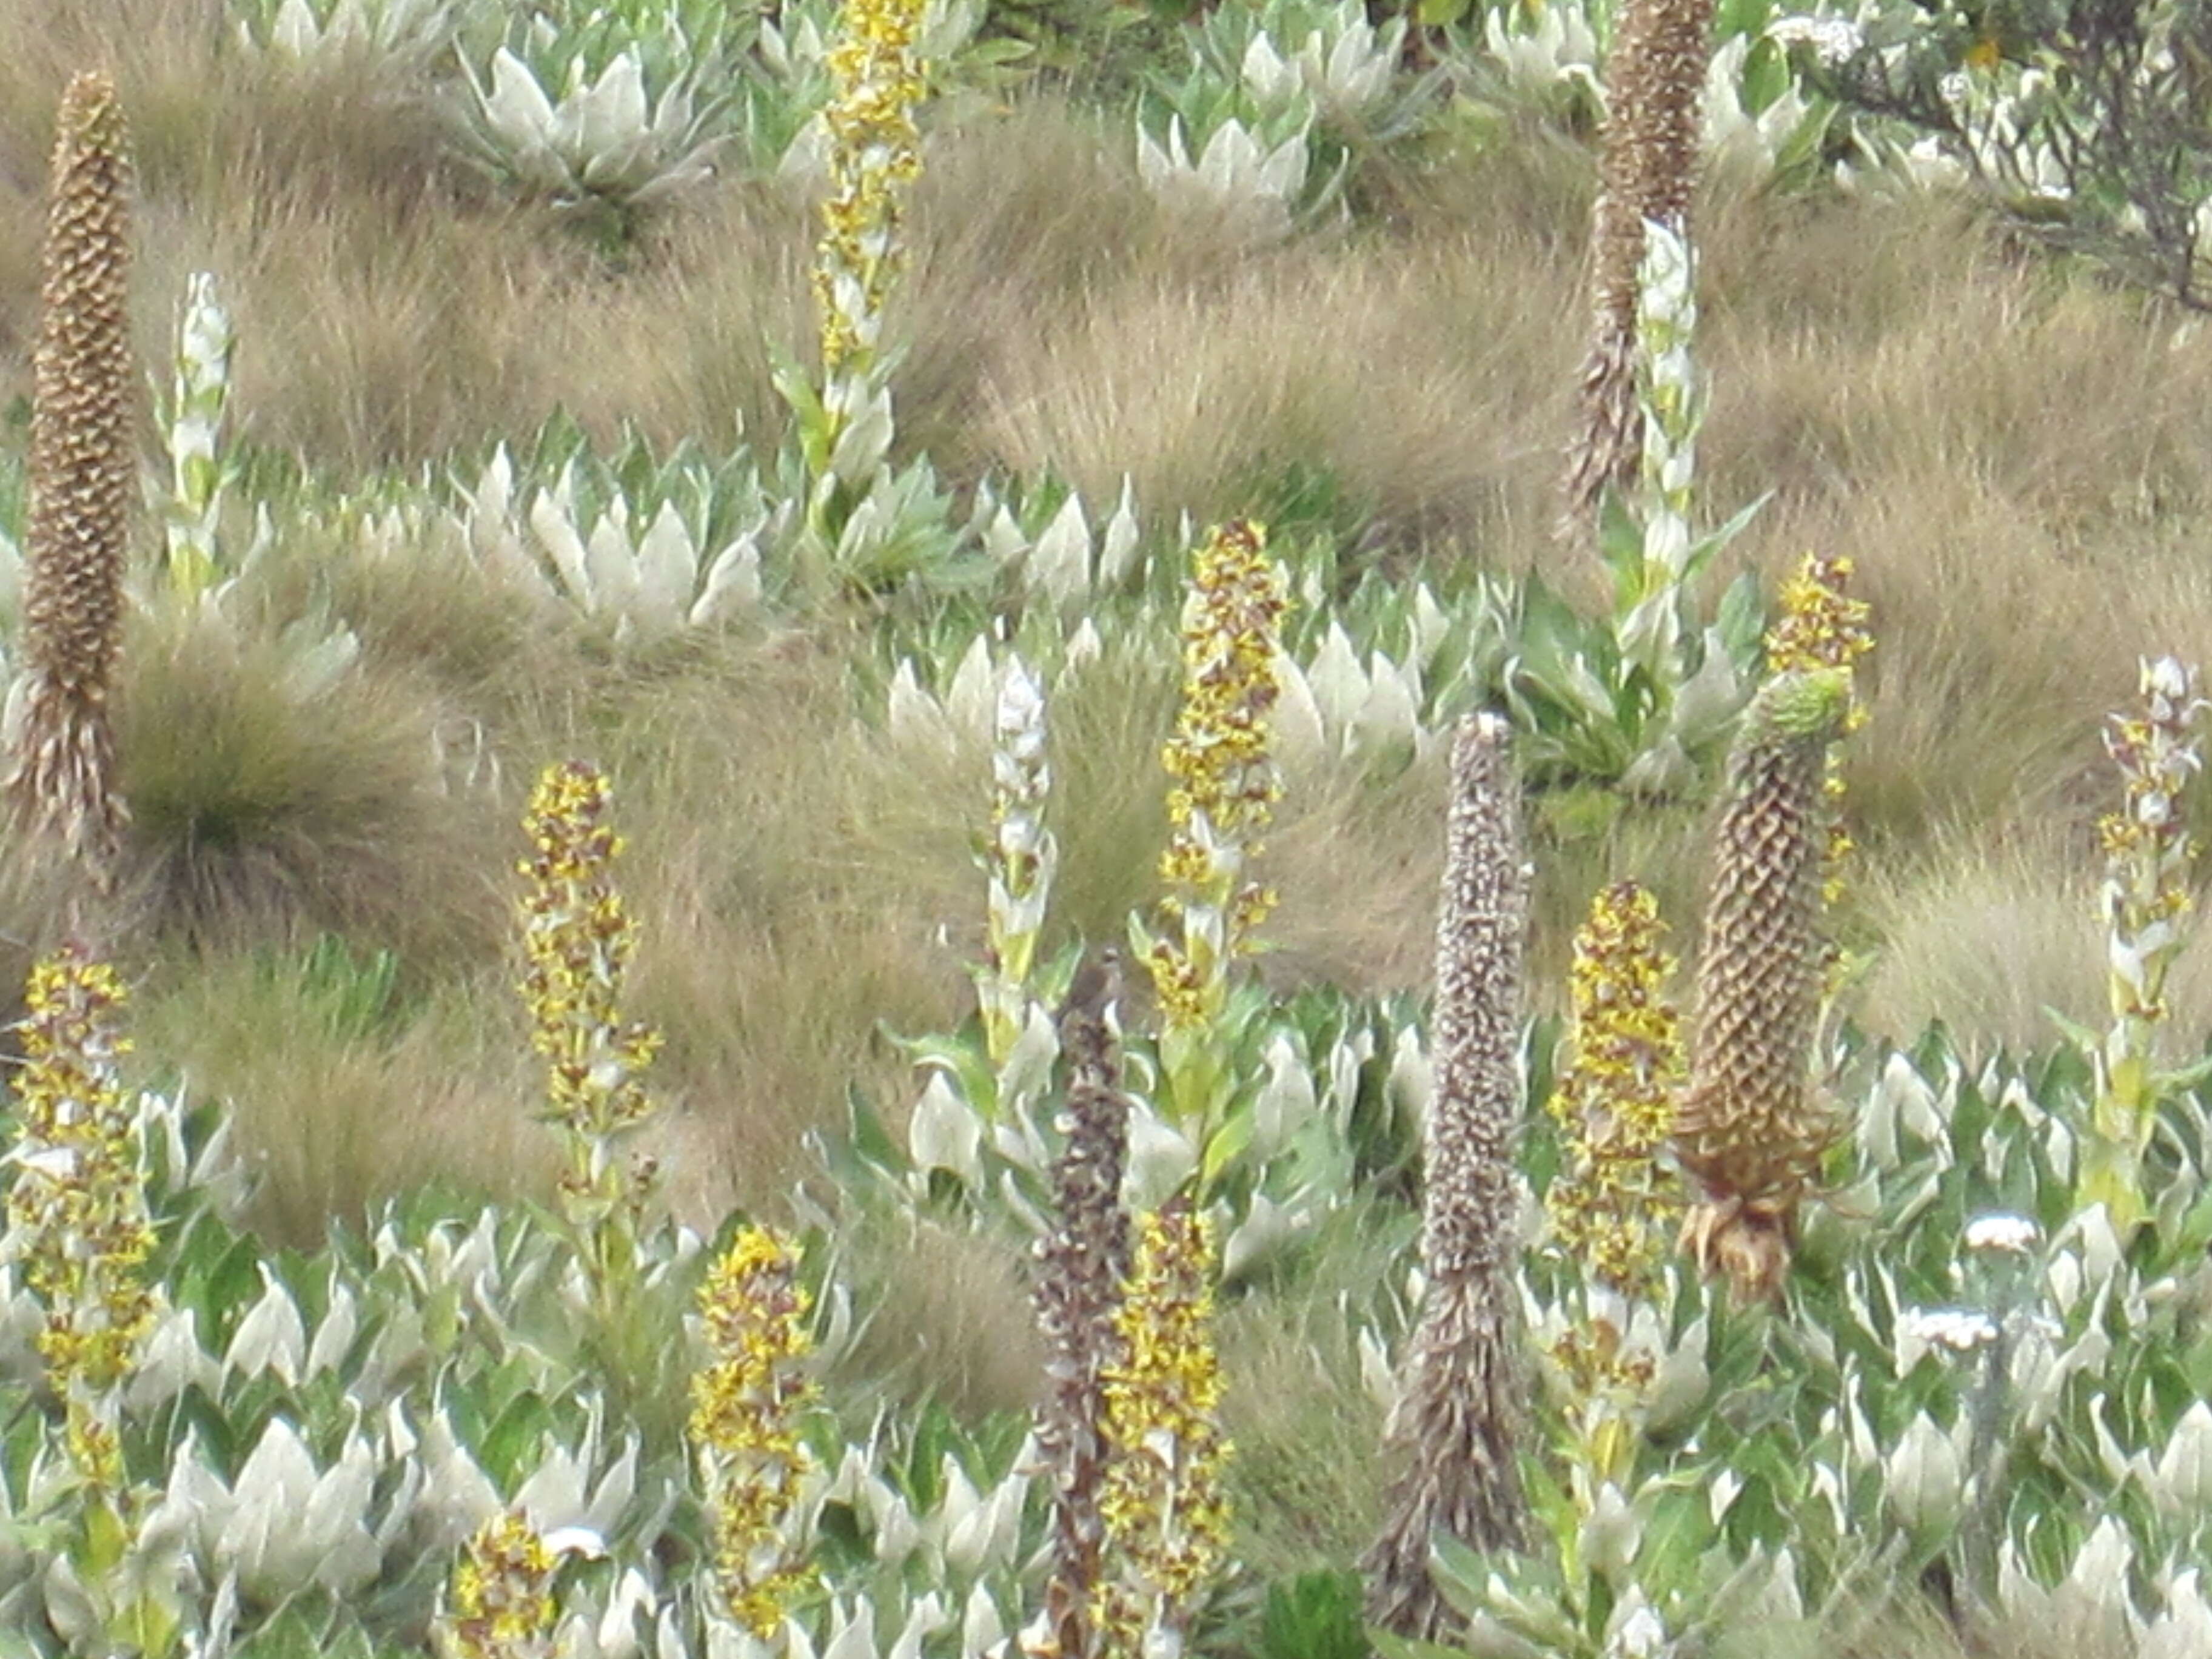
(744,1412)
(875,155)
(578,939)
(1822,626)
(1615,1101)
(1227,780)
(76,1212)
(1167,1518)
(502,1595)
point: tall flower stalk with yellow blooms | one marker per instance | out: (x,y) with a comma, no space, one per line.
(746,1412)
(1226,785)
(2146,901)
(1821,626)
(578,939)
(77,1221)
(1166,1514)
(83,474)
(844,430)
(1610,1205)
(501,1604)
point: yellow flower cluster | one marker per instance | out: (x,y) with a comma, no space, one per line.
(875,154)
(1226,779)
(577,940)
(1167,1517)
(744,1412)
(1615,1100)
(502,1596)
(2148,848)
(1822,626)
(76,1212)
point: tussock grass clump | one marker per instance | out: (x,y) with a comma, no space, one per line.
(263,809)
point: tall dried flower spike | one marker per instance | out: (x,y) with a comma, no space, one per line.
(1821,626)
(1082,1263)
(1167,1517)
(1654,78)
(1750,1131)
(1615,1101)
(501,1604)
(1459,1413)
(746,1411)
(77,1220)
(1227,780)
(875,155)
(578,939)
(2144,898)
(61,782)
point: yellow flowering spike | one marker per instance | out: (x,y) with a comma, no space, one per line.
(875,155)
(1167,1518)
(501,1604)
(76,1212)
(2146,900)
(1821,626)
(1227,782)
(578,939)
(745,1409)
(1614,1103)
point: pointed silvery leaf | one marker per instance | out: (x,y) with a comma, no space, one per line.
(608,121)
(1925,1478)
(271,1337)
(981,1628)
(733,583)
(911,713)
(264,1539)
(553,521)
(171,1361)
(1155,166)
(1284,1103)
(971,701)
(1301,736)
(1412,1078)
(1060,564)
(517,108)
(1266,1227)
(667,569)
(1117,553)
(1338,687)
(1283,175)
(2184,1630)
(335,1524)
(925,1618)
(1083,647)
(2181,1481)
(1027,1066)
(1271,81)
(334,1335)
(1161,1158)
(612,563)
(943,1132)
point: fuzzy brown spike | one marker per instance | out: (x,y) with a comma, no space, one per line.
(61,783)
(1655,76)
(1082,1264)
(1750,1131)
(1457,1419)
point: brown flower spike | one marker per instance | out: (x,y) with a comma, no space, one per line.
(1654,78)
(1750,1131)
(1082,1264)
(1456,1420)
(61,782)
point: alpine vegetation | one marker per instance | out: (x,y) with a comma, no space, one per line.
(1459,1423)
(61,785)
(1751,1130)
(1654,75)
